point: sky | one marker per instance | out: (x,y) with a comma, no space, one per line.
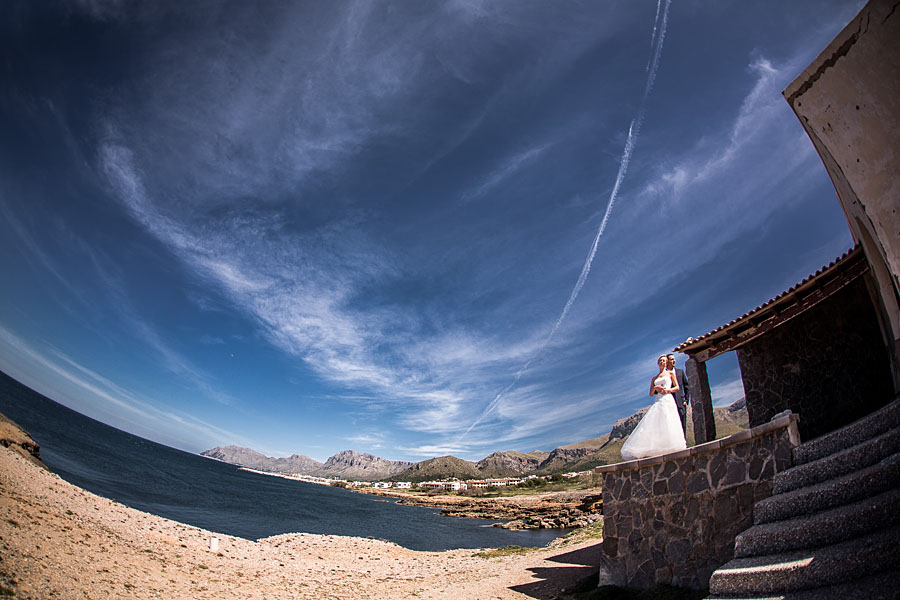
(405,228)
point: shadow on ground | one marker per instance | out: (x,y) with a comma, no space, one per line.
(575,566)
(577,577)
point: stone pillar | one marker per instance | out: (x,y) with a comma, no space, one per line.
(701,401)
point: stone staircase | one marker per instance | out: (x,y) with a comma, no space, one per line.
(831,528)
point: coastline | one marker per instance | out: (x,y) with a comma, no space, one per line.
(549,510)
(61,541)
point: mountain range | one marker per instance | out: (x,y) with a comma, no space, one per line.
(580,456)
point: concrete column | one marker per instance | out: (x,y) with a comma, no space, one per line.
(701,401)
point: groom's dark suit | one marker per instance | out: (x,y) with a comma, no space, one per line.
(682,396)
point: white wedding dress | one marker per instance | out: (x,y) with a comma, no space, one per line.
(659,432)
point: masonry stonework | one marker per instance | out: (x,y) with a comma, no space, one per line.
(828,364)
(673,519)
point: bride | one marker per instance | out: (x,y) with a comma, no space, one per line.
(659,432)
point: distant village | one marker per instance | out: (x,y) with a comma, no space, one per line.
(449,485)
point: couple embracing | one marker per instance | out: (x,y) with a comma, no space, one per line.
(662,428)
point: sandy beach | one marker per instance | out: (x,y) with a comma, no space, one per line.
(60,541)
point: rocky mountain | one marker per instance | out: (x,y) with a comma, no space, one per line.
(623,427)
(538,454)
(348,464)
(579,456)
(438,468)
(560,458)
(245,457)
(507,464)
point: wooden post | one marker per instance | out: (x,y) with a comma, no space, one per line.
(701,401)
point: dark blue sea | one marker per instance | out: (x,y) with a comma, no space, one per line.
(220,497)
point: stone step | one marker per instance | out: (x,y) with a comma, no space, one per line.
(878,586)
(827,527)
(872,425)
(873,480)
(836,465)
(803,569)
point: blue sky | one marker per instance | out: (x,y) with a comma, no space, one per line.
(410,229)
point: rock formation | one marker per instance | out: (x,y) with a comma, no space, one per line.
(245,457)
(348,464)
(506,464)
(15,438)
(579,456)
(440,467)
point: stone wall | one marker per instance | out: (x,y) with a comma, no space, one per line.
(673,519)
(828,364)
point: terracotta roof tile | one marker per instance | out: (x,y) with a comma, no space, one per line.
(827,269)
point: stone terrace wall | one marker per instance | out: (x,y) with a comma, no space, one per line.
(828,364)
(673,519)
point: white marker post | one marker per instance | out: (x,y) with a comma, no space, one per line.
(213,544)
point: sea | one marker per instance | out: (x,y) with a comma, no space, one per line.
(223,498)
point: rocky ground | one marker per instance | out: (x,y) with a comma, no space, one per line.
(60,541)
(550,510)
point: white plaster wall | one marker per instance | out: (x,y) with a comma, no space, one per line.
(848,100)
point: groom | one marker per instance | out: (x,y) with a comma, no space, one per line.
(682,396)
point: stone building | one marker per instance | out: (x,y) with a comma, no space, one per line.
(816,489)
(843,321)
(817,349)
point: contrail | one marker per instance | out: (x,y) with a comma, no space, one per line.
(653,35)
(633,131)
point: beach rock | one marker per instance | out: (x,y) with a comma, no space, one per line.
(15,438)
(549,511)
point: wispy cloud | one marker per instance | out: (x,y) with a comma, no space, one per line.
(301,298)
(656,43)
(205,163)
(434,450)
(713,158)
(39,256)
(368,441)
(82,387)
(173,360)
(513,165)
(727,393)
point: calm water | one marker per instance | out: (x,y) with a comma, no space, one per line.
(220,497)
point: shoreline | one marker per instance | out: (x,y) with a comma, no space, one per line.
(61,541)
(548,510)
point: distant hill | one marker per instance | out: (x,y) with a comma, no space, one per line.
(540,455)
(245,457)
(439,468)
(597,442)
(729,420)
(579,456)
(346,464)
(507,464)
(349,464)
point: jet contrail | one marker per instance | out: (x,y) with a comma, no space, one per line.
(633,131)
(653,35)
